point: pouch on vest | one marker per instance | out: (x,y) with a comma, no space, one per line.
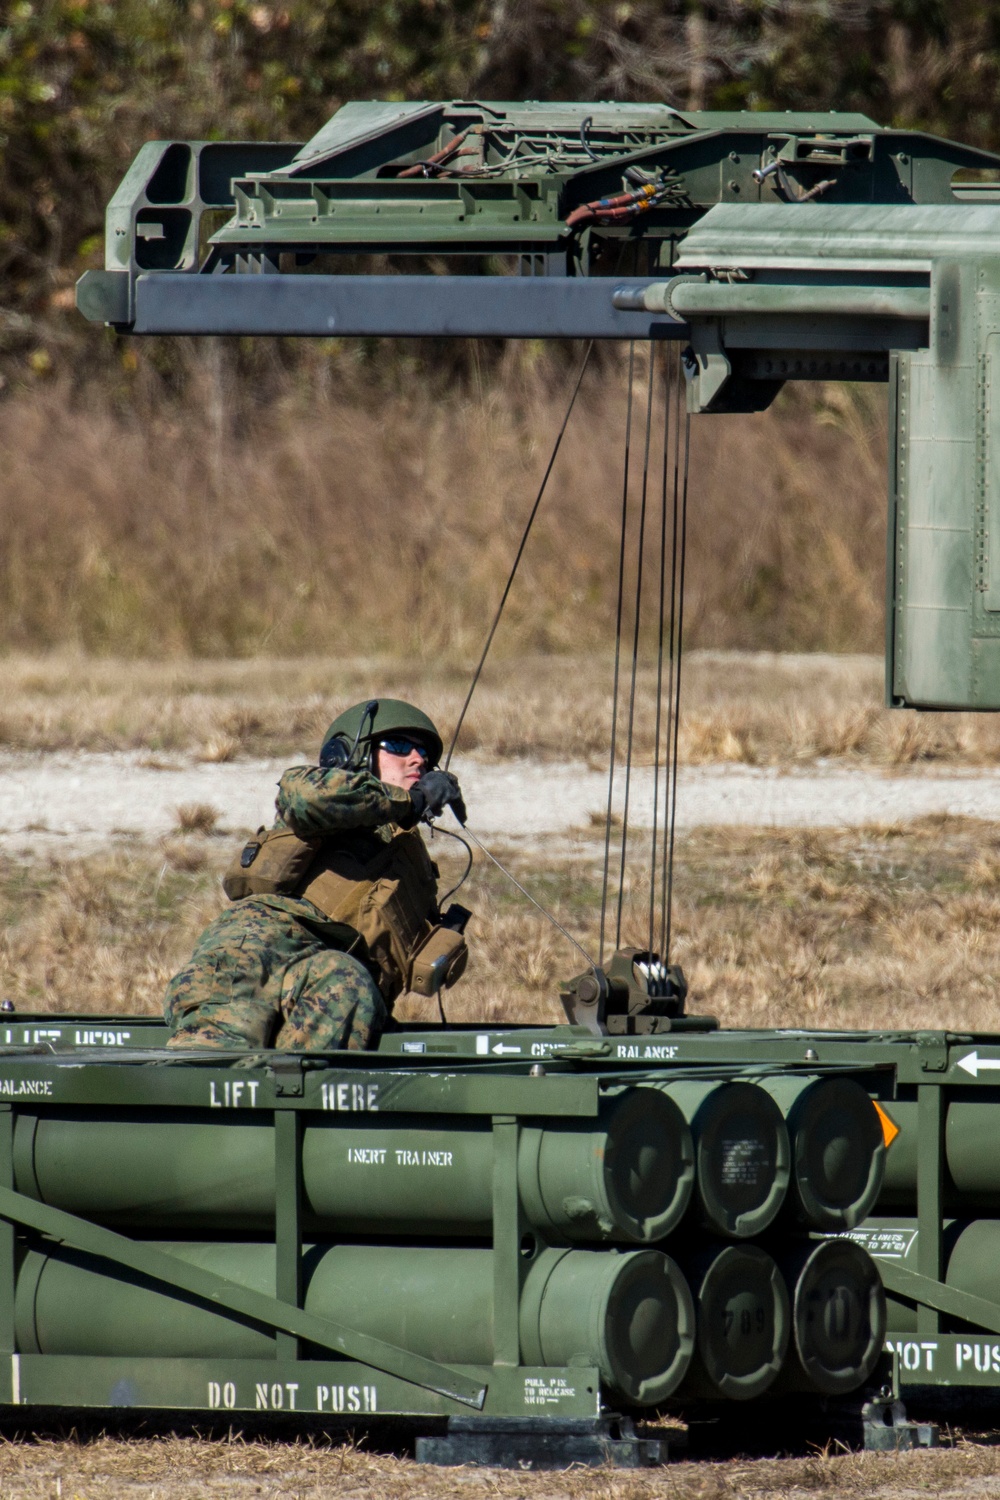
(389,899)
(274,863)
(438,962)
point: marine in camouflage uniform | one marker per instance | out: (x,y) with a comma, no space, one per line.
(275,970)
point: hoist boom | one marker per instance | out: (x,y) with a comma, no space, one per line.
(776,246)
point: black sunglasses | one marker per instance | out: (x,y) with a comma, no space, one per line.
(400,744)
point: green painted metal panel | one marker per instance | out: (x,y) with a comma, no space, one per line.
(158,1079)
(872,241)
(325,1388)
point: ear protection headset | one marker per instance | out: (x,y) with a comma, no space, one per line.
(338,754)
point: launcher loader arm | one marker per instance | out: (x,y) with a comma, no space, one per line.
(775,246)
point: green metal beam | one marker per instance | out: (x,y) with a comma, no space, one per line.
(934,1294)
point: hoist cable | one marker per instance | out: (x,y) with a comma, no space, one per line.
(636,627)
(449,833)
(514,881)
(668,762)
(618,650)
(677,698)
(520,552)
(659,660)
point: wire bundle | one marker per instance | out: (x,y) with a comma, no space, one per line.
(625,207)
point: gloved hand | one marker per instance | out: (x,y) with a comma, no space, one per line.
(435,791)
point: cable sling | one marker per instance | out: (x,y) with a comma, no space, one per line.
(659,662)
(669,764)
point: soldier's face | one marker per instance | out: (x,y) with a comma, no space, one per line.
(400,770)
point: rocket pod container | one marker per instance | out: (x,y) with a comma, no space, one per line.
(626,1176)
(972,1180)
(628,1313)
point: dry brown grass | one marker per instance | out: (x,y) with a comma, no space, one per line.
(758,708)
(363,518)
(892,926)
(196,817)
(191,1468)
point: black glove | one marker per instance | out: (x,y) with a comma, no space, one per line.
(435,791)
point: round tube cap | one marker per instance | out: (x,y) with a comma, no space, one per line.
(742,1154)
(838,1153)
(744,1323)
(838,1316)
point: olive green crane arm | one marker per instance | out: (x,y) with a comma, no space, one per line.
(777,247)
(68,1229)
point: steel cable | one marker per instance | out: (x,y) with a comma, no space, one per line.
(636,626)
(677,698)
(520,552)
(664,880)
(618,650)
(659,660)
(534,901)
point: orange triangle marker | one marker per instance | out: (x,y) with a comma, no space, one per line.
(890,1129)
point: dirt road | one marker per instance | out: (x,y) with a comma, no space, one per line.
(87,799)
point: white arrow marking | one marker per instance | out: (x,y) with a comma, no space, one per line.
(974,1064)
(501,1050)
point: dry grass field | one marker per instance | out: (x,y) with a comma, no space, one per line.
(756,708)
(325,1467)
(894,925)
(337,514)
(774,927)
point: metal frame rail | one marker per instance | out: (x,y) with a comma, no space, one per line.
(370,1375)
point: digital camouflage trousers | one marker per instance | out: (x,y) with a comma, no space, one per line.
(259,978)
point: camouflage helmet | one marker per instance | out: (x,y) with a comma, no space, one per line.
(390,716)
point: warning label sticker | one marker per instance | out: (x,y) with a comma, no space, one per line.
(885,1244)
(744,1163)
